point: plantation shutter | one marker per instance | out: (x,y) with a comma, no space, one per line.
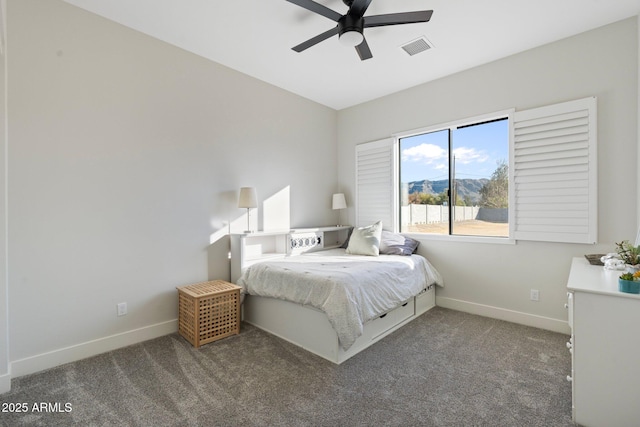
(375,189)
(555,173)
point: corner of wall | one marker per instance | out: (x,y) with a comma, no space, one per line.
(638,129)
(5,377)
(5,383)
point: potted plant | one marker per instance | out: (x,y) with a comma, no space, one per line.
(629,283)
(629,254)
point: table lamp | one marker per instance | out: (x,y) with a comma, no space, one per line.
(248,200)
(339,203)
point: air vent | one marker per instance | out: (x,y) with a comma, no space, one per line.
(416,46)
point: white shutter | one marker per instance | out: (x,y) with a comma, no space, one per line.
(375,184)
(555,173)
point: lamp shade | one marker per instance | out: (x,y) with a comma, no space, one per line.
(247,198)
(339,201)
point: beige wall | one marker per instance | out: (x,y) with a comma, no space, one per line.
(125,156)
(496,279)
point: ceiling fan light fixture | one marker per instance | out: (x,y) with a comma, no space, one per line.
(350,28)
(351,38)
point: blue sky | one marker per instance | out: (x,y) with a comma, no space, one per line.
(477,150)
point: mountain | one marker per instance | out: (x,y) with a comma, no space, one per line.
(467,188)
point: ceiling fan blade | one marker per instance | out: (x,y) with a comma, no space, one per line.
(397,18)
(363,50)
(317,8)
(359,7)
(315,40)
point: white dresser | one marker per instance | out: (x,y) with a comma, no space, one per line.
(605,348)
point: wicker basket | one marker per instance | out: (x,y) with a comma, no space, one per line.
(208,311)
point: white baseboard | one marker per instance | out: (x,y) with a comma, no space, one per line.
(61,356)
(541,322)
(5,383)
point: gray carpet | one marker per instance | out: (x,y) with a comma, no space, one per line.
(445,368)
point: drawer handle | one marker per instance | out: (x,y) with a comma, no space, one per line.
(405,304)
(383,315)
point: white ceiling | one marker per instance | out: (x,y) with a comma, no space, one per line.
(255,37)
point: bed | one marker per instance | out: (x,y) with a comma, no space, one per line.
(335,303)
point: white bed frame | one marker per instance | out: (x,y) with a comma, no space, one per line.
(310,329)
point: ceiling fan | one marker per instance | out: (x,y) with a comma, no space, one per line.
(351,26)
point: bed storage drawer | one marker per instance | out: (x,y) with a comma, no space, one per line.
(387,321)
(312,330)
(426,300)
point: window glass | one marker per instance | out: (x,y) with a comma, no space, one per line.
(472,157)
(424,183)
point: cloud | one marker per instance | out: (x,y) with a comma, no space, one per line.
(424,153)
(430,154)
(467,155)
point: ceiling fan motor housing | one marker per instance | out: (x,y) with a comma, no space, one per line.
(350,23)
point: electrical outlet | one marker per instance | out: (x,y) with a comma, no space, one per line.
(122,308)
(535,295)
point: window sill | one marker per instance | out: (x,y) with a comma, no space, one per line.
(465,239)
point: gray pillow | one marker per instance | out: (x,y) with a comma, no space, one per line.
(397,244)
(346,241)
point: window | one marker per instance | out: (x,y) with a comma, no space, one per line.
(549,154)
(455,180)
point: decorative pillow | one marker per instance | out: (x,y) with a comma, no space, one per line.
(397,244)
(345,245)
(365,240)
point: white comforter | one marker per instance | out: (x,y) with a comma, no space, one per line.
(350,289)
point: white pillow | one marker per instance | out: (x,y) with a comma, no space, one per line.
(365,240)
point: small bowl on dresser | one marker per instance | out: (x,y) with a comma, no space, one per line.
(629,286)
